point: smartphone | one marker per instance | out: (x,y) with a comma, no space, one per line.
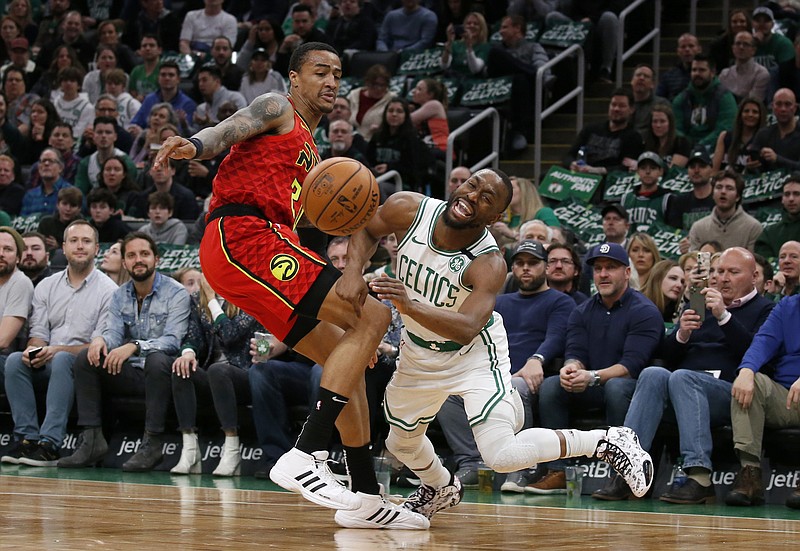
(697,301)
(458,31)
(33,352)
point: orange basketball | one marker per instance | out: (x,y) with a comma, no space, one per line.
(340,195)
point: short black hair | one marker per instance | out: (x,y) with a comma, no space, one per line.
(707,58)
(301,53)
(211,69)
(302,7)
(36,234)
(623,92)
(102,195)
(161,199)
(70,73)
(169,64)
(152,36)
(507,181)
(104,120)
(139,235)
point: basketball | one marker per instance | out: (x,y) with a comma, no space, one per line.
(340,195)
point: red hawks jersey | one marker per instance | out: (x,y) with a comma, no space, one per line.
(267,171)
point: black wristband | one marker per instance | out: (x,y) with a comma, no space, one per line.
(198,147)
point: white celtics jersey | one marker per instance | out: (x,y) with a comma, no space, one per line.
(433,275)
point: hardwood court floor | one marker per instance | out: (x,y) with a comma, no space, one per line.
(52,509)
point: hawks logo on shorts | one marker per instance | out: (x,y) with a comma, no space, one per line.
(283,267)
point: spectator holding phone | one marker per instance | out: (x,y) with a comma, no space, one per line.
(694,388)
(69,309)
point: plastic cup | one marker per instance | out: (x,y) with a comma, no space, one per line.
(383,471)
(263,345)
(574,476)
(485,479)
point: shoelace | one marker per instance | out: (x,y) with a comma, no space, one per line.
(618,459)
(421,497)
(325,474)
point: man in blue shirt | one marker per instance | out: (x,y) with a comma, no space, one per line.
(759,400)
(694,389)
(410,27)
(610,338)
(169,79)
(147,319)
(43,198)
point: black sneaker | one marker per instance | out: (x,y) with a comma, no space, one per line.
(13,455)
(406,479)
(44,454)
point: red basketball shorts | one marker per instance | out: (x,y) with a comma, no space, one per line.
(262,268)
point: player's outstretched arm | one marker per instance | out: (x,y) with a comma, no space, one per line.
(267,113)
(394,216)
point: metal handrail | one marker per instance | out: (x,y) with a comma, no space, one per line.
(392,175)
(540,115)
(654,35)
(726,6)
(493,157)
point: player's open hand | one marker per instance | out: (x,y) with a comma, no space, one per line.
(388,288)
(175,147)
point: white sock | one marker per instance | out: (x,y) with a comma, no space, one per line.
(581,442)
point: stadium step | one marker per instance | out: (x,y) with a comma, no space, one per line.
(559,129)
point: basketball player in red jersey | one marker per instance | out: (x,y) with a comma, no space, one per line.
(251,256)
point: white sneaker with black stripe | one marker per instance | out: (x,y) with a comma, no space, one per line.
(310,476)
(378,512)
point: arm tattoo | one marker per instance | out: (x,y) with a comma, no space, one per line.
(260,116)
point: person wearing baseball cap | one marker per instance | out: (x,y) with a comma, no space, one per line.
(260,78)
(648,202)
(19,56)
(773,49)
(690,206)
(611,338)
(616,224)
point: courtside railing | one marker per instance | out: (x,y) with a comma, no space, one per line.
(392,175)
(492,158)
(540,114)
(654,35)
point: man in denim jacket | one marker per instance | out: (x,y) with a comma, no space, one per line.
(148,317)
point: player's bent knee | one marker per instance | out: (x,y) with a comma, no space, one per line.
(402,444)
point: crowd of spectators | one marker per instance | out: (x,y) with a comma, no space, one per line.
(88,96)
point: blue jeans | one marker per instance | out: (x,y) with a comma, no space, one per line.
(275,387)
(695,399)
(20,380)
(555,403)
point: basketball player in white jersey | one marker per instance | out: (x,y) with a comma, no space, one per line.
(449,270)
